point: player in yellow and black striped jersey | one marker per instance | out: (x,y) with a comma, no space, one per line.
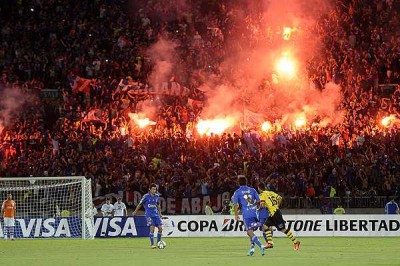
(263,215)
(272,201)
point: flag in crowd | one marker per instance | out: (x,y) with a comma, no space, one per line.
(79,84)
(123,42)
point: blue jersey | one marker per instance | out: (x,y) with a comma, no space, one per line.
(247,198)
(391,207)
(262,213)
(150,204)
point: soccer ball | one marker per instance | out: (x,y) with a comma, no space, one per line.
(161,244)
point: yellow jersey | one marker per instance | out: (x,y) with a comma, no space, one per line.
(271,201)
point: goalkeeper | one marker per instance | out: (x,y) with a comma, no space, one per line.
(8,211)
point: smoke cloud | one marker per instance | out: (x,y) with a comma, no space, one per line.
(248,74)
(162,54)
(12,102)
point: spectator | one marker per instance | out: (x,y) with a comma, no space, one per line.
(119,208)
(107,209)
(208,210)
(325,205)
(392,207)
(94,210)
(339,210)
(226,208)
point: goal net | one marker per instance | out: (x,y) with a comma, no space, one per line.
(50,207)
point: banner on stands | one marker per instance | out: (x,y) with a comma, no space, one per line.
(193,205)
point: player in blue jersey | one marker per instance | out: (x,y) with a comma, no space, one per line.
(246,198)
(151,203)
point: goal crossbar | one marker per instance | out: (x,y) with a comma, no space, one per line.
(42,178)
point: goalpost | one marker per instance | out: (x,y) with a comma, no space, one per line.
(50,207)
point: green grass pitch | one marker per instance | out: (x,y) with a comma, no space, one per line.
(200,251)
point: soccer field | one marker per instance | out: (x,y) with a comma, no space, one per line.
(200,251)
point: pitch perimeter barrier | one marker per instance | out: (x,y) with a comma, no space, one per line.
(211,226)
(46,228)
(226,226)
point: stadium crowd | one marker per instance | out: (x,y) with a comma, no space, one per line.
(46,44)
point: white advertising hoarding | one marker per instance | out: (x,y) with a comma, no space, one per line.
(301,225)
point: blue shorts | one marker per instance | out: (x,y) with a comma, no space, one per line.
(251,223)
(262,221)
(154,221)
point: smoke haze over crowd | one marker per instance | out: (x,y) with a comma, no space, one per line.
(248,76)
